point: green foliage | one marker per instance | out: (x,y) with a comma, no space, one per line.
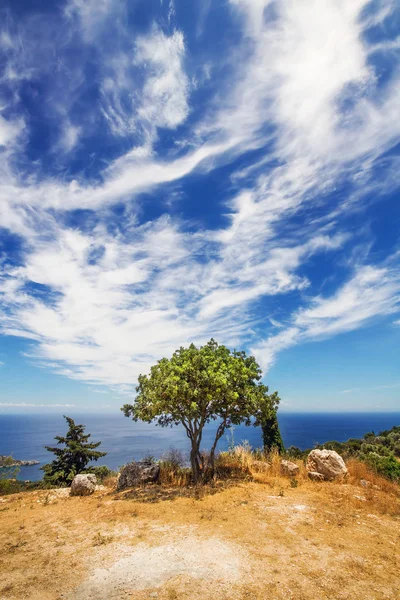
(8,475)
(8,469)
(199,385)
(294,452)
(388,466)
(101,472)
(270,429)
(73,457)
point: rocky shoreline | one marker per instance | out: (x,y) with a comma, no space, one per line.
(9,461)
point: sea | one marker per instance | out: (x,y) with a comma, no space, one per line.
(25,436)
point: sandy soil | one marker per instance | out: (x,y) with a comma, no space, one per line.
(249,540)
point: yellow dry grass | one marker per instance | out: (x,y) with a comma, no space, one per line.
(335,541)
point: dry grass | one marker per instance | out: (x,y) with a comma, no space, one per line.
(174,475)
(361,471)
(334,541)
(110,482)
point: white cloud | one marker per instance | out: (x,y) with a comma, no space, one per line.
(165,93)
(9,130)
(117,302)
(110,319)
(372,292)
(374,388)
(31,405)
(132,108)
(92,14)
(69,137)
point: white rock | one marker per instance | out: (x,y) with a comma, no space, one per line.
(314,476)
(328,463)
(289,468)
(83,485)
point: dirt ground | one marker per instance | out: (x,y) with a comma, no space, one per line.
(240,541)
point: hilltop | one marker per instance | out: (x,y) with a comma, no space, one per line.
(257,537)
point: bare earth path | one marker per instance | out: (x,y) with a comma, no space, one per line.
(251,540)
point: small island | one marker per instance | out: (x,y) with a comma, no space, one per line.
(9,461)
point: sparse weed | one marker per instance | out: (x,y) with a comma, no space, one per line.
(99,539)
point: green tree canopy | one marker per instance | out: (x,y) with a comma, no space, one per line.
(73,457)
(199,385)
(266,417)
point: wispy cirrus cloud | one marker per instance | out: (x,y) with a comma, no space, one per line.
(371,293)
(32,405)
(146,87)
(375,388)
(108,279)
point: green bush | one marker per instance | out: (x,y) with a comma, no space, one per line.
(8,476)
(388,466)
(101,472)
(295,452)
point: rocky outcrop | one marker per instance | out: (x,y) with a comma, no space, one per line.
(289,468)
(136,473)
(83,485)
(9,461)
(314,476)
(327,463)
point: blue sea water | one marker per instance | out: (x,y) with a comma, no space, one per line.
(24,436)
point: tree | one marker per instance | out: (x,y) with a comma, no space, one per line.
(266,417)
(196,386)
(73,458)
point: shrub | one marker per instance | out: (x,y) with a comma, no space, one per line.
(174,457)
(294,452)
(102,472)
(388,466)
(8,476)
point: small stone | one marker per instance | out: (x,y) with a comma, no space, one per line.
(153,595)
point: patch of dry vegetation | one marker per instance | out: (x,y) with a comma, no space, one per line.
(262,535)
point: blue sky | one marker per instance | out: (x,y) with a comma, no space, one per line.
(173,171)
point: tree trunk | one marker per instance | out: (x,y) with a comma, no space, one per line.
(194,461)
(219,434)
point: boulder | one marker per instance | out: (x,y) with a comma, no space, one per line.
(136,473)
(314,476)
(328,463)
(289,468)
(83,485)
(260,466)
